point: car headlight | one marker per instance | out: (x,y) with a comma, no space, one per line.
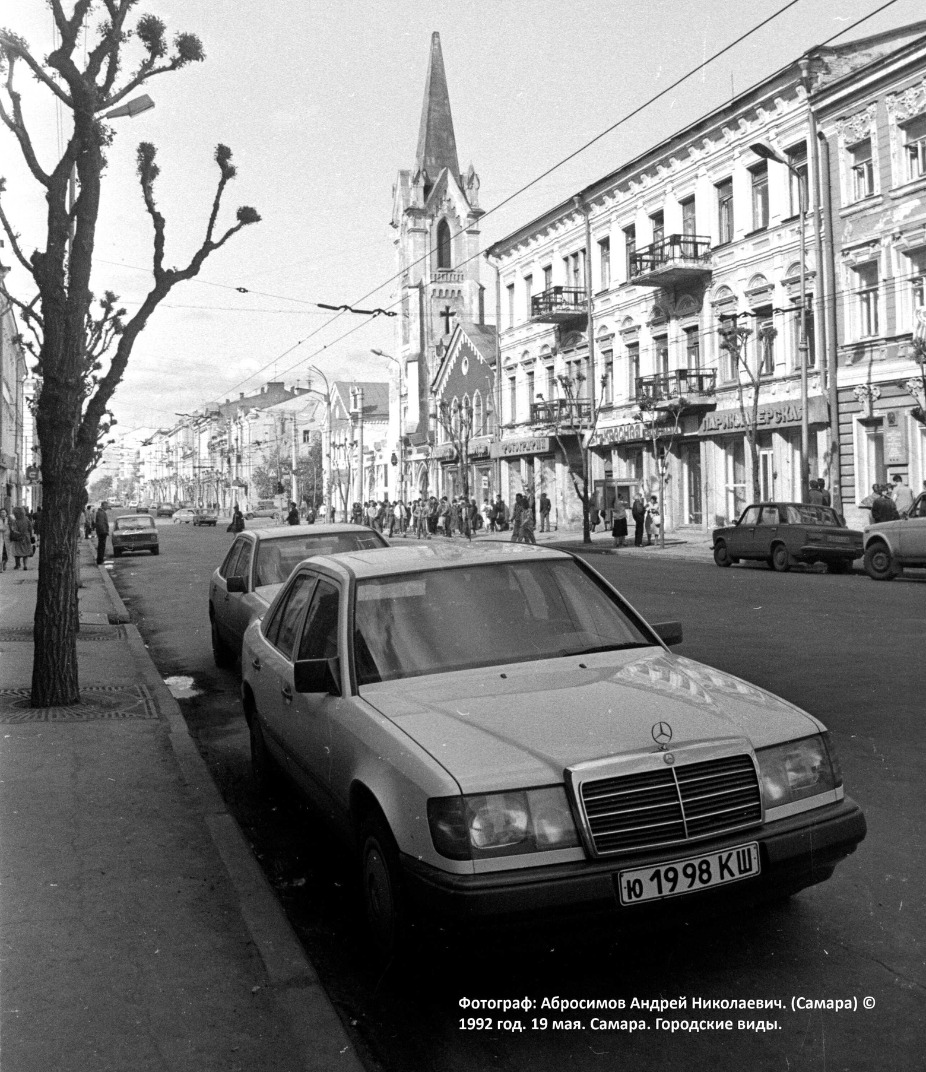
(797,770)
(502,824)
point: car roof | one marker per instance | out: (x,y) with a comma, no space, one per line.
(133,517)
(387,561)
(280,532)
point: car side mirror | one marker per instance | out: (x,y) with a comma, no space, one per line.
(669,633)
(236,584)
(317,675)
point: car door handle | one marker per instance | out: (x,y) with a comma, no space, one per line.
(287,693)
(255,663)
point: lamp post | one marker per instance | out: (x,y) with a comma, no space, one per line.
(329,482)
(766,152)
(398,364)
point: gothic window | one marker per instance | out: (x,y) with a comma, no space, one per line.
(478,415)
(444,250)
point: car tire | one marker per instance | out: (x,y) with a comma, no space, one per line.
(780,560)
(384,899)
(879,562)
(722,554)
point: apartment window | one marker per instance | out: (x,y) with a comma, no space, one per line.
(306,435)
(550,390)
(725,211)
(528,293)
(797,158)
(866,291)
(633,367)
(658,221)
(917,261)
(548,277)
(863,173)
(604,262)
(607,365)
(759,197)
(692,348)
(630,246)
(915,147)
(765,342)
(510,290)
(689,225)
(512,399)
(531,395)
(809,333)
(575,269)
(661,349)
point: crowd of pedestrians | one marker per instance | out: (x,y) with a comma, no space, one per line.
(888,502)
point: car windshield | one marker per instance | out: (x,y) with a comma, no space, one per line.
(276,559)
(483,615)
(813,515)
(143,522)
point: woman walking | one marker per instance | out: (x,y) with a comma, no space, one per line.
(619,522)
(20,537)
(4,538)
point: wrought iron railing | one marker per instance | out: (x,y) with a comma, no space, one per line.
(559,300)
(678,250)
(681,382)
(563,412)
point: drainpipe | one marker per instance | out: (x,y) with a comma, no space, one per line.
(829,271)
(489,255)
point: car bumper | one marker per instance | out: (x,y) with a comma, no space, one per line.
(795,853)
(134,545)
(815,552)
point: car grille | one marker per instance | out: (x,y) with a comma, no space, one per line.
(673,804)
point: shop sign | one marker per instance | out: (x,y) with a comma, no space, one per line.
(32,474)
(634,432)
(446,452)
(895,437)
(511,447)
(771,415)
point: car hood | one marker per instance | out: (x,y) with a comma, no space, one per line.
(523,724)
(886,526)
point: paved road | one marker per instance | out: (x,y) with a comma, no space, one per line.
(846,648)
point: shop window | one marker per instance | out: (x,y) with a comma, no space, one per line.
(862,169)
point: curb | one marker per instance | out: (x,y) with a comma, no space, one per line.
(312,1018)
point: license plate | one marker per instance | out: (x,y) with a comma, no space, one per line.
(839,539)
(658,881)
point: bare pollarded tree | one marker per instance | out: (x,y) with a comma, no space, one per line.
(82,345)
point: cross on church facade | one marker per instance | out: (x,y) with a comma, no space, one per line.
(446,313)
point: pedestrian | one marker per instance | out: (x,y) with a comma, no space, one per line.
(237,521)
(444,516)
(545,507)
(101,528)
(619,522)
(527,524)
(814,494)
(652,522)
(594,516)
(638,513)
(4,539)
(517,517)
(868,501)
(883,508)
(292,518)
(88,521)
(902,495)
(827,499)
(310,514)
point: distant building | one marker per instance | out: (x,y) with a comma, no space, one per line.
(15,418)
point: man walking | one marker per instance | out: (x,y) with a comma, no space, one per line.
(638,513)
(101,527)
(545,507)
(902,495)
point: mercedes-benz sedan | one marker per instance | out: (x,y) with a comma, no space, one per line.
(500,736)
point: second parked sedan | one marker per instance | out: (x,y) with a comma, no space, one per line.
(258,563)
(783,534)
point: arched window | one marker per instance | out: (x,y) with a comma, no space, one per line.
(478,415)
(455,416)
(444,249)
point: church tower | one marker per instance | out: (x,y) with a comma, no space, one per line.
(436,219)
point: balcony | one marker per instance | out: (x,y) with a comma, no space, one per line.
(558,304)
(693,388)
(447,275)
(564,413)
(672,261)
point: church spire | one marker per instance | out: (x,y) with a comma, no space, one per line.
(437,147)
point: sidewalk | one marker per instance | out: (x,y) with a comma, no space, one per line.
(136,929)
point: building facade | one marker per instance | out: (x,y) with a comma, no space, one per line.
(18,464)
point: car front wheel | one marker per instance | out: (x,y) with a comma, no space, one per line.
(383,896)
(781,560)
(879,562)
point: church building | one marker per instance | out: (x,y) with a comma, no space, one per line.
(446,353)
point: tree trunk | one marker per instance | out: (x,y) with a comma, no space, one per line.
(54,668)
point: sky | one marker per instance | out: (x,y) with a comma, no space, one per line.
(320,103)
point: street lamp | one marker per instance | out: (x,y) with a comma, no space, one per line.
(329,483)
(766,152)
(398,364)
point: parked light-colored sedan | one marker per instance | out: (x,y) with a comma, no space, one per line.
(258,562)
(499,736)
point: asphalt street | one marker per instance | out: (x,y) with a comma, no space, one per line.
(848,649)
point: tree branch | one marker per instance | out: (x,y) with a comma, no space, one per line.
(13,236)
(16,124)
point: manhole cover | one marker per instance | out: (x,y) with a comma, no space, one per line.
(98,704)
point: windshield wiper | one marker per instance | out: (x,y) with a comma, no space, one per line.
(612,647)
